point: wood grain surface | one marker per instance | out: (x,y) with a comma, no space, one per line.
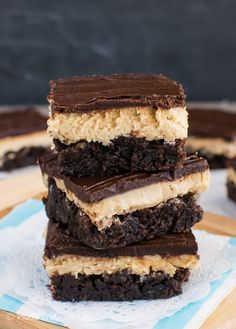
(17,189)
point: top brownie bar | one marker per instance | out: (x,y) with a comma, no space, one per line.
(107,125)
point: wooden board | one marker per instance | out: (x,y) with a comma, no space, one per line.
(18,189)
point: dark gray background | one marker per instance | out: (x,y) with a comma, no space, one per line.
(192,41)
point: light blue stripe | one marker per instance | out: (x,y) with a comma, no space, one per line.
(233,241)
(182,317)
(21,213)
(10,304)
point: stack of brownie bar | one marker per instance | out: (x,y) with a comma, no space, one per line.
(121,193)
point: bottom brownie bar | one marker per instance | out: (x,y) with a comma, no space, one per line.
(176,215)
(119,286)
(26,156)
(146,270)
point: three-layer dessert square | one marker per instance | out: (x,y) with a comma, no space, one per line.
(106,212)
(108,125)
(146,270)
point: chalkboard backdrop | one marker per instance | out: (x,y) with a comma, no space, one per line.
(192,41)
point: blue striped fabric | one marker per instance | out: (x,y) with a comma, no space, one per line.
(7,303)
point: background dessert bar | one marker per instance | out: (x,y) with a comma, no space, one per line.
(212,133)
(23,136)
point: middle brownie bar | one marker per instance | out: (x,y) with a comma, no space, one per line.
(107,212)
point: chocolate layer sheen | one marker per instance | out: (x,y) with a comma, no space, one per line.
(99,92)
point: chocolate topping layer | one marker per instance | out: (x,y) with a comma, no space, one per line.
(57,243)
(21,121)
(212,123)
(93,189)
(83,94)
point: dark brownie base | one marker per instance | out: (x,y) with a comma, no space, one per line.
(26,156)
(231,190)
(124,154)
(214,161)
(120,286)
(174,216)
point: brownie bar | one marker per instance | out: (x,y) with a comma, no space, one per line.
(26,156)
(99,92)
(123,154)
(106,125)
(145,270)
(119,286)
(104,199)
(176,215)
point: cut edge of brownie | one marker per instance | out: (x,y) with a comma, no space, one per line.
(118,286)
(214,161)
(176,215)
(122,155)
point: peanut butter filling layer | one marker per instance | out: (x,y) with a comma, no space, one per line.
(104,126)
(75,265)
